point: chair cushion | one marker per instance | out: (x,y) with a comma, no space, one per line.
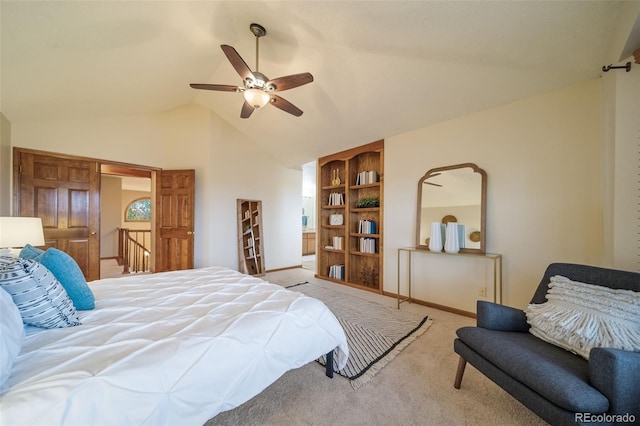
(556,374)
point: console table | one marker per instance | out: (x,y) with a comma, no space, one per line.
(492,291)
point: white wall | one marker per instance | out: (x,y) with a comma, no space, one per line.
(227,167)
(543,158)
(238,169)
(622,135)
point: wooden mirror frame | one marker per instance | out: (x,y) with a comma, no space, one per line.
(483,205)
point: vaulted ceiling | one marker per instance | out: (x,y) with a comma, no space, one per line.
(381,68)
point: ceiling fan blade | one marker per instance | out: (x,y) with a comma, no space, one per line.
(238,63)
(285,105)
(290,81)
(247,109)
(219,87)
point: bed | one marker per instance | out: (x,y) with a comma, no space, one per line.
(170,348)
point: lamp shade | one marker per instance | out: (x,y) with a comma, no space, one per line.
(256,98)
(20,231)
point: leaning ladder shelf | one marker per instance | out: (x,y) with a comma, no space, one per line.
(250,241)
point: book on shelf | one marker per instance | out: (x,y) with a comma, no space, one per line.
(366,227)
(336,271)
(337,242)
(367,245)
(366,177)
(336,199)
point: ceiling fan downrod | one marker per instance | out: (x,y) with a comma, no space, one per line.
(258,31)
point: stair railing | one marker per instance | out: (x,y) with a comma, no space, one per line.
(134,253)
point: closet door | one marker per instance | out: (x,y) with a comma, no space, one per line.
(65,193)
(175,205)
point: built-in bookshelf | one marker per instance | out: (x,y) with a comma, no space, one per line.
(250,243)
(350,201)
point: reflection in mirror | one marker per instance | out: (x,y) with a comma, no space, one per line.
(454,194)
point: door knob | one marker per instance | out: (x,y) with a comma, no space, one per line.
(93,233)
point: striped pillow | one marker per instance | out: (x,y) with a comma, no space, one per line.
(41,299)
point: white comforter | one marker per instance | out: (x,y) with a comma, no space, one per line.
(173,348)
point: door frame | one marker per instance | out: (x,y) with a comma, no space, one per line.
(111,167)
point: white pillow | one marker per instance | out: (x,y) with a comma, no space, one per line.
(11,334)
(579,316)
(40,298)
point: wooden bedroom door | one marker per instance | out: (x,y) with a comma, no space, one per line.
(175,205)
(65,193)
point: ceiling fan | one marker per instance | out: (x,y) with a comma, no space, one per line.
(257,89)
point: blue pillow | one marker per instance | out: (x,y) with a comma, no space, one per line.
(31,252)
(67,271)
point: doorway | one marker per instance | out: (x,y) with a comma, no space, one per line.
(126,211)
(309,202)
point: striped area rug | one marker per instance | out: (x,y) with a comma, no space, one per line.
(376,333)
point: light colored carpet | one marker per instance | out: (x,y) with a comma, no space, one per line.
(416,388)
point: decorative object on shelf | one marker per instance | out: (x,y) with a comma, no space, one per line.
(451,242)
(461,236)
(474,236)
(449,218)
(435,241)
(336,178)
(336,219)
(367,202)
(369,277)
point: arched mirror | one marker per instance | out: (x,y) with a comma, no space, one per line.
(455,193)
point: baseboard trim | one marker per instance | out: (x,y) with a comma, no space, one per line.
(283,269)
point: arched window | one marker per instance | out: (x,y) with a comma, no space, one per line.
(138,211)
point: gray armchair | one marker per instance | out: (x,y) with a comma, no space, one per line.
(559,386)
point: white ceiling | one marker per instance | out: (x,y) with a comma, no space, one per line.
(381,68)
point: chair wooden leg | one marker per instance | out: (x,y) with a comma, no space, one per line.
(462,363)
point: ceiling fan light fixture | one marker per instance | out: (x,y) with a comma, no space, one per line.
(256,98)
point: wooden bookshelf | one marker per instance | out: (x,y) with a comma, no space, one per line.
(250,243)
(357,176)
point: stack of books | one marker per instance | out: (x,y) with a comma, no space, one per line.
(367,176)
(336,199)
(336,271)
(366,227)
(368,245)
(337,243)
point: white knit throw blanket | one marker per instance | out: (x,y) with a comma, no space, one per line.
(579,316)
